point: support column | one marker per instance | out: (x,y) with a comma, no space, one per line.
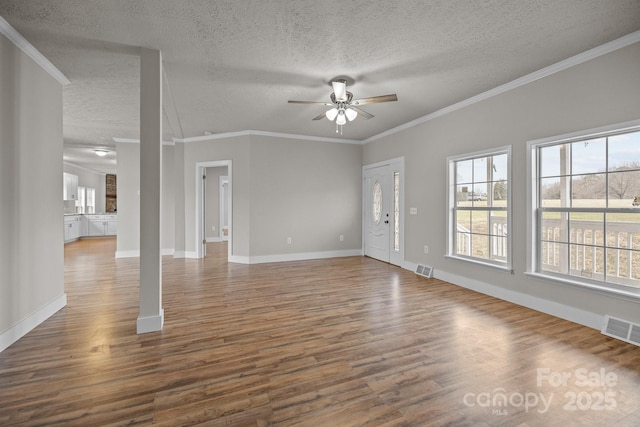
(151,317)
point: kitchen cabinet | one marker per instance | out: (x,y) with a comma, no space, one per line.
(102,225)
(70,186)
(72,227)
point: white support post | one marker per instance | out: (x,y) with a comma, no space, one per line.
(151,317)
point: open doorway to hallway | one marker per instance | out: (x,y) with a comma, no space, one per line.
(214,201)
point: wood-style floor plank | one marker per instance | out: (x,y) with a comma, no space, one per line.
(335,342)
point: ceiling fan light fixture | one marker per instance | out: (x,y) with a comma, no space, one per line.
(351,114)
(331,114)
(341,119)
(101,153)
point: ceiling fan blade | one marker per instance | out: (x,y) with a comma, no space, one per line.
(320,116)
(361,112)
(340,89)
(310,102)
(375,99)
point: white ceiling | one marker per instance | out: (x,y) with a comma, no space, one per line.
(231,65)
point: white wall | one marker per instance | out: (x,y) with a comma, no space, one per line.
(32,242)
(602,91)
(90,179)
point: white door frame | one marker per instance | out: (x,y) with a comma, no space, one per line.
(223,202)
(397,165)
(199,230)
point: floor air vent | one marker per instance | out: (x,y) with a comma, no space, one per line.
(621,329)
(424,270)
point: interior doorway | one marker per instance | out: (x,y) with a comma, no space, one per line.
(214,222)
(383,211)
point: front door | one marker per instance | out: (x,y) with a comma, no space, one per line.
(377,212)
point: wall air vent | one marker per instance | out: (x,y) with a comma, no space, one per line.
(424,270)
(622,330)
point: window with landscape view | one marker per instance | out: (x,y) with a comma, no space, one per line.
(586,195)
(479,198)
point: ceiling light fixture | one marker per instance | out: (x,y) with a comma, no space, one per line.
(101,153)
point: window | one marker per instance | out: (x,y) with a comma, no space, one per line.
(585,223)
(479,224)
(80,204)
(91,200)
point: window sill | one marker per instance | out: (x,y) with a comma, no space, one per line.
(505,268)
(611,290)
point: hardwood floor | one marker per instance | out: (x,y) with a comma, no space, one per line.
(336,342)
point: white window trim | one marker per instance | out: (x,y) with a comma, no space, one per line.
(451,197)
(610,289)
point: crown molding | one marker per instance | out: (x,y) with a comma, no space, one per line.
(266,133)
(580,58)
(84,168)
(9,32)
(137,141)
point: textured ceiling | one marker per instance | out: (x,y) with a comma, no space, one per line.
(231,65)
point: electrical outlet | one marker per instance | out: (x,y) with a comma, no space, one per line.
(426,249)
(289,240)
(342,237)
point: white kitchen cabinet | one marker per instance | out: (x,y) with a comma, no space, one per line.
(102,225)
(72,227)
(70,186)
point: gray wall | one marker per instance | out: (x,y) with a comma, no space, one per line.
(129,199)
(281,188)
(87,178)
(602,91)
(31,244)
(128,172)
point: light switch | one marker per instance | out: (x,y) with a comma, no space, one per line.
(413,211)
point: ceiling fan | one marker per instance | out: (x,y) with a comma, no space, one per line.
(343,106)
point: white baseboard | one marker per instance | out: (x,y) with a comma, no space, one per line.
(128,254)
(136,253)
(24,326)
(576,315)
(214,239)
(150,323)
(261,259)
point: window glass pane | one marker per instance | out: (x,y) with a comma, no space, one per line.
(498,248)
(553,192)
(587,228)
(587,262)
(623,230)
(463,221)
(480,222)
(623,188)
(589,156)
(588,191)
(500,171)
(550,160)
(480,170)
(463,244)
(500,191)
(463,197)
(396,211)
(480,246)
(464,172)
(479,194)
(624,151)
(377,202)
(554,227)
(498,223)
